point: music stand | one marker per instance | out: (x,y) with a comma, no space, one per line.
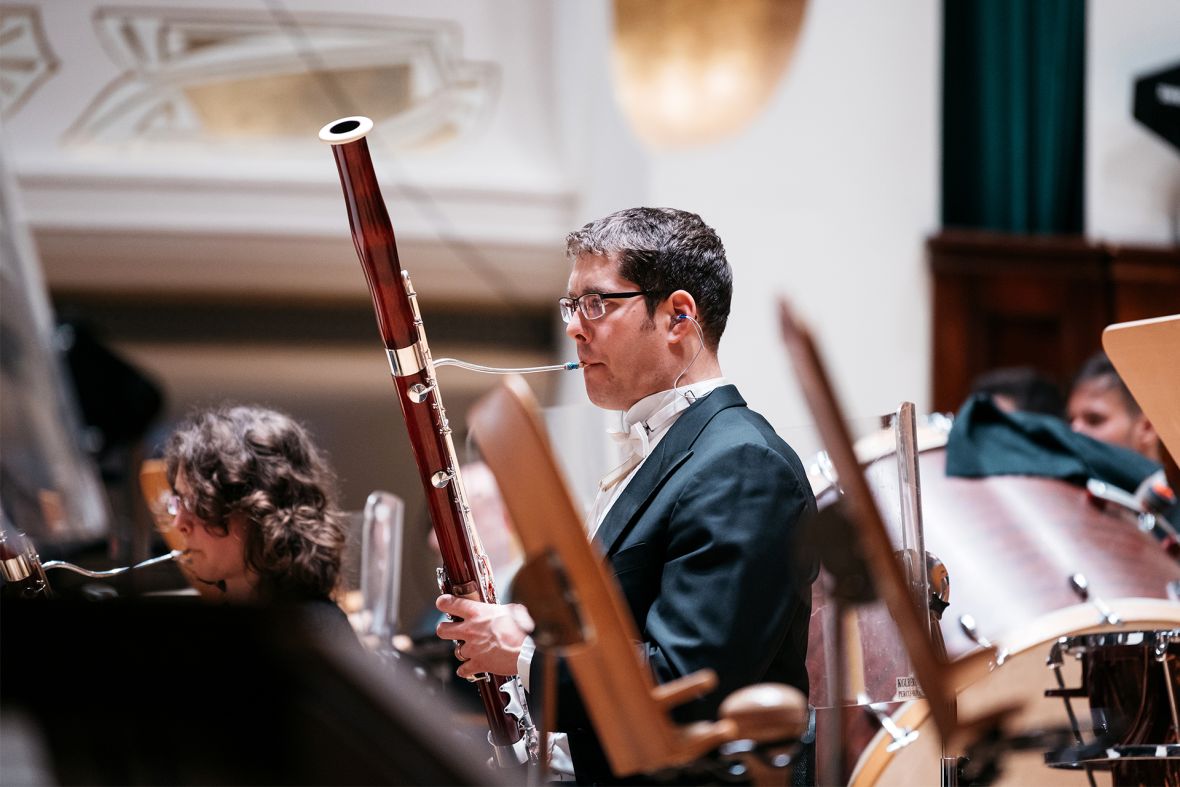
(937,678)
(566,587)
(154,691)
(1140,351)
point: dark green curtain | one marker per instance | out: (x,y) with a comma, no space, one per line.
(1012,123)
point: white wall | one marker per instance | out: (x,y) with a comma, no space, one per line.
(1132,176)
(611,171)
(826,197)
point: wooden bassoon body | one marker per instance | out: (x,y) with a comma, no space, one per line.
(465,571)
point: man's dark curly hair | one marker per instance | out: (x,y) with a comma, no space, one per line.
(664,250)
(265,465)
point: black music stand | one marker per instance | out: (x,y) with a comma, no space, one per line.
(174,691)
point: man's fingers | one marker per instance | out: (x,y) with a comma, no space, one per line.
(491,634)
(453,629)
(467,671)
(456,606)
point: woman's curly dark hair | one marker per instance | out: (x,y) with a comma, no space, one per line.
(265,465)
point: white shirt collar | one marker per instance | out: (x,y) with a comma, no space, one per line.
(642,424)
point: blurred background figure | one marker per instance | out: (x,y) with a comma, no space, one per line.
(418,644)
(120,404)
(1101,407)
(493,523)
(1021,388)
(500,544)
(255,502)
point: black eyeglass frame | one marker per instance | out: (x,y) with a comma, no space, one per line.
(567,305)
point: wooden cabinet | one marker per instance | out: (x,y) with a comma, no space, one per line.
(1004,300)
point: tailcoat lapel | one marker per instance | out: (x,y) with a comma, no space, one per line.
(672,452)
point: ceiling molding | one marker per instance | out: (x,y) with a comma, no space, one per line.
(191,76)
(28,60)
(129,235)
(123,199)
(308,268)
(171,203)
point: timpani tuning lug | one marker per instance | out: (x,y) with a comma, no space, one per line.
(1081,586)
(902,736)
(969,627)
(939,580)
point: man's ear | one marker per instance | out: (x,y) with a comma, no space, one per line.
(1145,437)
(683,311)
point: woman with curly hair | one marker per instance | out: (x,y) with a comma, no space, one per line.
(255,502)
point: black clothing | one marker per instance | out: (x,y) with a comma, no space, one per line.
(987,441)
(701,544)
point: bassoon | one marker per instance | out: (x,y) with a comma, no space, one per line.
(465,571)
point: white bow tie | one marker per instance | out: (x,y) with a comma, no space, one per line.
(635,442)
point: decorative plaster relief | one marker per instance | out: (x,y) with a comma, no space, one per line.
(247,76)
(26,61)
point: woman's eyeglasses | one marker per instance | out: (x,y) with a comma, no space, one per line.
(175,504)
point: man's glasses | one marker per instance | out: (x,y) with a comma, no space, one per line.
(591,305)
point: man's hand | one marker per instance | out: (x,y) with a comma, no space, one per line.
(491,634)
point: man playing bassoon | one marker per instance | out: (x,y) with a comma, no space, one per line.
(698,524)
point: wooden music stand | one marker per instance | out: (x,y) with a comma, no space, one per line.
(1146,354)
(937,678)
(153,484)
(629,712)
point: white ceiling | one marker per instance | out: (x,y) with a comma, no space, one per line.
(172,147)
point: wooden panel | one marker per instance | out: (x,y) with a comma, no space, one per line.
(1146,282)
(1002,300)
(1009,300)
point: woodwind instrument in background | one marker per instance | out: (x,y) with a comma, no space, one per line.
(465,571)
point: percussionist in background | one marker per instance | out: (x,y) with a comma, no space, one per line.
(1021,389)
(254,500)
(1101,407)
(698,523)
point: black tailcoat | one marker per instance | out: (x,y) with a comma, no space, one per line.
(701,542)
